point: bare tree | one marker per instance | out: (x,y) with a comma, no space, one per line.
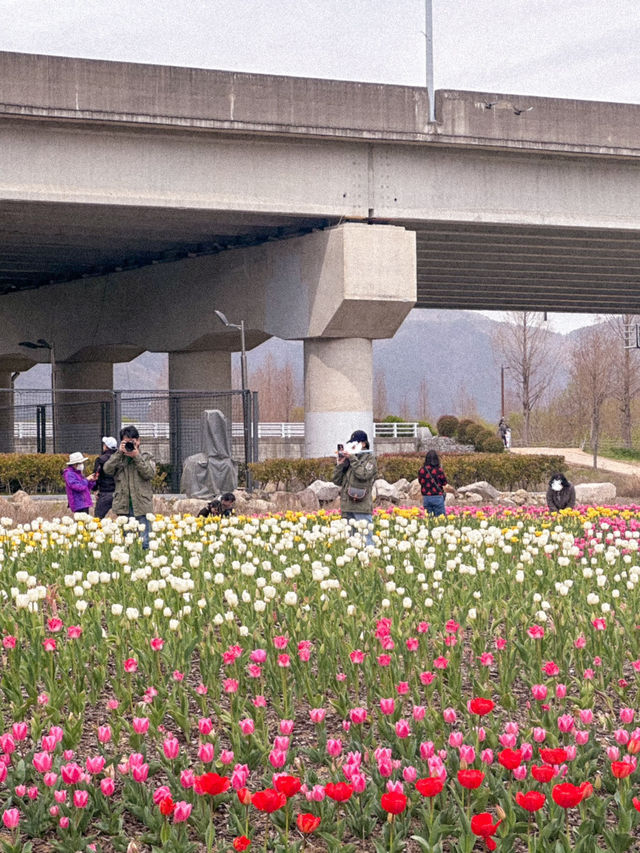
(626,379)
(423,401)
(277,389)
(592,367)
(524,346)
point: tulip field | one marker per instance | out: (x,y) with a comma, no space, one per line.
(467,683)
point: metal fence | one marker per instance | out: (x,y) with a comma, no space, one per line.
(169,422)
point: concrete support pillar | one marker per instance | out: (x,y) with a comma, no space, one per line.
(6,413)
(338,392)
(82,414)
(200,371)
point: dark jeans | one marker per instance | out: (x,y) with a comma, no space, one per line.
(434,504)
(103,504)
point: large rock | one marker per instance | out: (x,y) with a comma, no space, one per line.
(520,497)
(303,501)
(415,491)
(324,491)
(402,486)
(482,488)
(597,494)
(471,498)
(383,490)
(189,506)
(257,507)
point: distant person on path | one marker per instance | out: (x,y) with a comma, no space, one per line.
(222,506)
(355,473)
(104,484)
(503,427)
(133,472)
(433,484)
(560,493)
(78,486)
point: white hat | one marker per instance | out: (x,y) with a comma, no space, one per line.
(76,458)
(109,442)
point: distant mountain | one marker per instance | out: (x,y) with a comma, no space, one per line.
(450,350)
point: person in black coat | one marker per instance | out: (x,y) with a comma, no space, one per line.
(560,493)
(104,484)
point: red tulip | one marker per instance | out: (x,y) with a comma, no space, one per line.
(510,758)
(166,806)
(307,823)
(587,791)
(621,769)
(241,842)
(481,706)
(470,778)
(244,795)
(211,783)
(338,791)
(636,803)
(531,801)
(482,825)
(288,785)
(430,786)
(542,772)
(269,800)
(553,756)
(566,795)
(394,802)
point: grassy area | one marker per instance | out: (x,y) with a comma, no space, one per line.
(623,454)
(626,486)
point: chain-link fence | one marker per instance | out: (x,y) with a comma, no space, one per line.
(169,422)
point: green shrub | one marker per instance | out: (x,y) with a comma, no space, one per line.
(490,443)
(41,473)
(473,431)
(447,425)
(392,419)
(505,471)
(461,431)
(428,426)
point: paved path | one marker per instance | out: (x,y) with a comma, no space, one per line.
(574,456)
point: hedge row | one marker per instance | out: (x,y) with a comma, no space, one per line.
(505,471)
(42,473)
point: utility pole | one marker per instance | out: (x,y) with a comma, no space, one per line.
(428,35)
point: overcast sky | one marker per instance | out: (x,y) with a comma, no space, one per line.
(585,49)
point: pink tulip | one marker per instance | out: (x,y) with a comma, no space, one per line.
(43,699)
(561,691)
(140,725)
(426,678)
(258,656)
(317,715)
(508,741)
(20,731)
(181,811)
(580,642)
(316,794)
(281,742)
(387,706)
(60,796)
(7,744)
(64,822)
(359,782)
(467,753)
(613,753)
(74,632)
(410,774)
(277,758)
(566,722)
(426,749)
(3,772)
(286,727)
(140,772)
(161,794)
(482,734)
(247,726)
(49,645)
(512,728)
(50,779)
(104,734)
(539,692)
(527,751)
(581,736)
(486,756)
(358,715)
(9,642)
(621,736)
(626,715)
(11,818)
(385,767)
(571,751)
(357,656)
(226,756)
(95,764)
(205,725)
(455,739)
(156,644)
(107,786)
(20,790)
(403,729)
(539,734)
(71,773)
(171,748)
(54,811)
(80,799)
(187,778)
(334,747)
(394,787)
(419,712)
(206,752)
(136,759)
(520,773)
(32,792)
(402,688)
(586,716)
(42,762)
(239,776)
(412,644)
(449,716)
(130,665)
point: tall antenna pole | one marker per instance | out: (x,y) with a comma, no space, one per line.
(428,34)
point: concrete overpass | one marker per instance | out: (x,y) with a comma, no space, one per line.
(135,199)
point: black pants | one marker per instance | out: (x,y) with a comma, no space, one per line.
(103,504)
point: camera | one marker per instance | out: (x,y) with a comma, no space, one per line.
(129,446)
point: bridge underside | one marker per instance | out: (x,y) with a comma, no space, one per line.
(464,265)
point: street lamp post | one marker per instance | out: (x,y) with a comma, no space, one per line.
(42,344)
(244,383)
(503,367)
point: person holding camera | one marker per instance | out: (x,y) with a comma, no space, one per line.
(355,473)
(133,472)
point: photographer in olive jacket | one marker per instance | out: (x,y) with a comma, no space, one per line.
(133,472)
(355,472)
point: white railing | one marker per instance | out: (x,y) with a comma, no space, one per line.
(27,429)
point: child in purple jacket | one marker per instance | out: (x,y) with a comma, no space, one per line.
(77,485)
